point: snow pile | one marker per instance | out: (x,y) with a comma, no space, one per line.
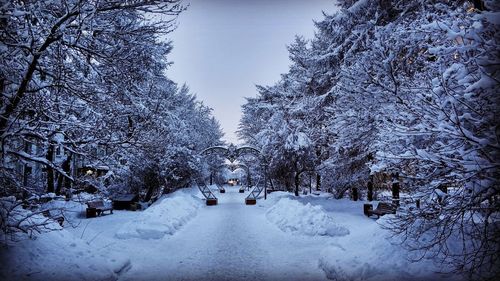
(16,222)
(57,255)
(367,254)
(292,216)
(164,217)
(72,211)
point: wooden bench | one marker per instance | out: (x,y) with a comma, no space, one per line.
(383,208)
(211,201)
(250,201)
(56,217)
(97,208)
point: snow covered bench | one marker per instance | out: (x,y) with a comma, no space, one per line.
(383,208)
(96,208)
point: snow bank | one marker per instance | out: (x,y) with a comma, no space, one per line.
(18,223)
(292,216)
(367,254)
(40,249)
(57,255)
(165,217)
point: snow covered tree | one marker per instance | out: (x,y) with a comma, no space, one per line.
(70,73)
(432,74)
(279,122)
(83,87)
(446,116)
(408,87)
(421,77)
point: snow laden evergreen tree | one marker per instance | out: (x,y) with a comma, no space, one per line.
(408,87)
(281,131)
(352,119)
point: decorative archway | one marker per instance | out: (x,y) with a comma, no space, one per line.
(231,153)
(235,166)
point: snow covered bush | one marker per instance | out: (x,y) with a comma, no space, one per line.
(16,222)
(292,216)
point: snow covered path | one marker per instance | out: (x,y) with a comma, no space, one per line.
(230,241)
(306,238)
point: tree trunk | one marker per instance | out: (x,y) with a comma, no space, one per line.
(67,182)
(310,183)
(26,175)
(318,182)
(370,191)
(297,183)
(354,194)
(60,180)
(395,189)
(50,172)
(66,166)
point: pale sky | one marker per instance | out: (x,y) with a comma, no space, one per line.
(223,48)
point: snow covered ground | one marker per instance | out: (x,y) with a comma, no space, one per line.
(179,238)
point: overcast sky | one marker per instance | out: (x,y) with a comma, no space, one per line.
(223,48)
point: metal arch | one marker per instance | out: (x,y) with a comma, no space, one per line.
(234,166)
(256,191)
(248,150)
(231,152)
(214,150)
(205,190)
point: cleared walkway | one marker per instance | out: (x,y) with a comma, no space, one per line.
(230,241)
